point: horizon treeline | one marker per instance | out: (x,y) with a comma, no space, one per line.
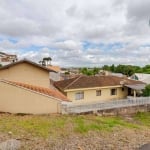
(124,69)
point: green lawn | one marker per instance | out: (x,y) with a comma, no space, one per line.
(61,125)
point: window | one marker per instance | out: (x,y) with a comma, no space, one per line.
(113,91)
(122,89)
(79,95)
(98,92)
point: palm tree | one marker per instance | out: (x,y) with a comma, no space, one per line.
(46,61)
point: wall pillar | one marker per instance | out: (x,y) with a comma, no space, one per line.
(134,93)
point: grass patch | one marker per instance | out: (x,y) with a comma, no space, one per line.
(118,121)
(41,126)
(143,118)
(83,124)
(56,126)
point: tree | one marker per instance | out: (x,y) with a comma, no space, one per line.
(95,71)
(106,67)
(112,68)
(89,73)
(125,69)
(146,91)
(137,69)
(129,70)
(46,61)
(120,69)
(84,70)
(146,69)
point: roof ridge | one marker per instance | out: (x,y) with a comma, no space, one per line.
(27,61)
(73,82)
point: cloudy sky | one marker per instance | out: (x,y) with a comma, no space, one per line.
(77,32)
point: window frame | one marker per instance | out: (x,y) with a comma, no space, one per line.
(98,92)
(113,91)
(79,95)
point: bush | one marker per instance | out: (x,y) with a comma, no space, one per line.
(146,91)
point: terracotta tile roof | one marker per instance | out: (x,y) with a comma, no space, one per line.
(93,81)
(55,68)
(42,90)
(29,62)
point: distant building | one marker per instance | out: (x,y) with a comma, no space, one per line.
(108,73)
(117,74)
(141,77)
(6,59)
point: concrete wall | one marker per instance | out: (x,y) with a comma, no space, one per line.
(90,94)
(18,100)
(26,73)
(55,76)
(124,110)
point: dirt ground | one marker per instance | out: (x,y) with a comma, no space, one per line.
(64,137)
(126,139)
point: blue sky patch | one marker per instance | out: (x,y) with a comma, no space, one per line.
(12,40)
(33,48)
(36,48)
(102,46)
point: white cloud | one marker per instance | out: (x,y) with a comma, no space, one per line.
(68,45)
(60,28)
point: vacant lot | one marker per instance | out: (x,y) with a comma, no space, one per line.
(84,132)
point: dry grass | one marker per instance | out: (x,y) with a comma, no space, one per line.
(53,132)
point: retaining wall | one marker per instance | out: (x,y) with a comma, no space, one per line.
(121,111)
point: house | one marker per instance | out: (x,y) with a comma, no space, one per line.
(17,97)
(117,74)
(25,88)
(141,77)
(109,73)
(86,89)
(6,59)
(68,73)
(26,71)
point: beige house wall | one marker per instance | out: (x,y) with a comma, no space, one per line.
(90,94)
(18,100)
(26,73)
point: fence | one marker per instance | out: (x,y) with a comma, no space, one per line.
(74,108)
